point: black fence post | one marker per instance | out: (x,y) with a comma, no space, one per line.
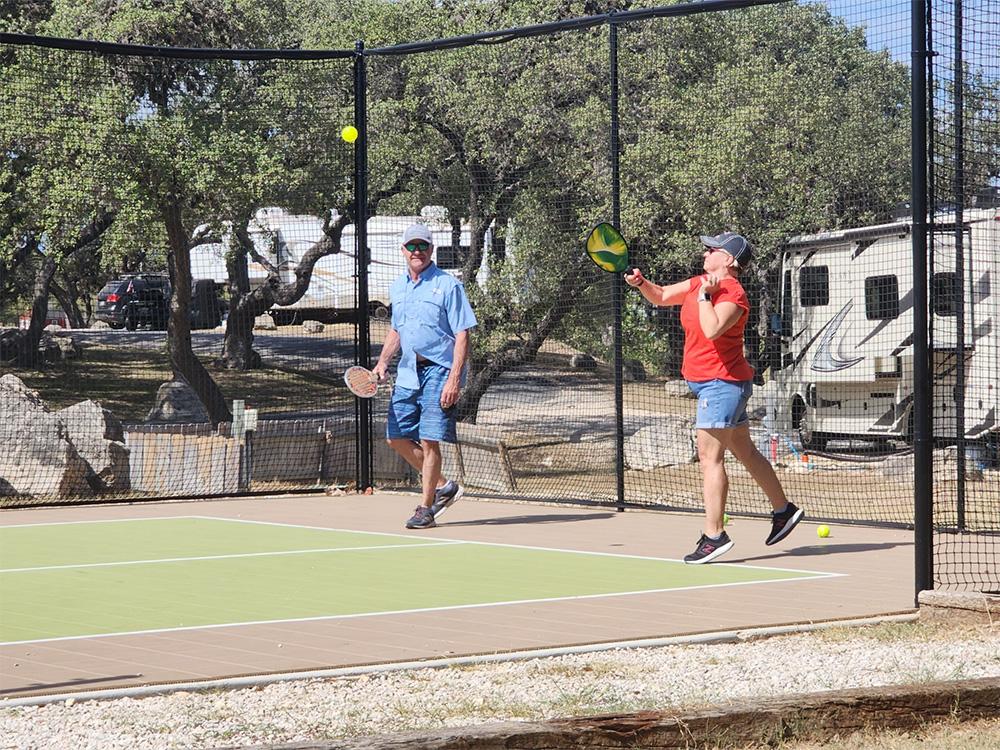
(364,448)
(959,191)
(617,282)
(923,478)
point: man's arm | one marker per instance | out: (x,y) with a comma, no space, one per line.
(453,386)
(389,348)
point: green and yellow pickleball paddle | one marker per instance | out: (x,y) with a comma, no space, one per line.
(607,248)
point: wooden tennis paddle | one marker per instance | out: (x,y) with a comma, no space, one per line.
(362,382)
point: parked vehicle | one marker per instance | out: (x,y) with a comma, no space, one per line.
(144,300)
(844,368)
(283,238)
(133,301)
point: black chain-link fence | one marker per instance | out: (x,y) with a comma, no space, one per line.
(186,222)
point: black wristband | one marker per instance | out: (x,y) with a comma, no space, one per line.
(641,282)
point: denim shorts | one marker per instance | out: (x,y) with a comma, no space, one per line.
(416,414)
(721,403)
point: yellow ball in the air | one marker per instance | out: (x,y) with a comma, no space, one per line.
(823,532)
(349,133)
(725,519)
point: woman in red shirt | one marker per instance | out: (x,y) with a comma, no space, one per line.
(714,311)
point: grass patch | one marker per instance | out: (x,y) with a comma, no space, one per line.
(898,632)
(125,382)
(971,735)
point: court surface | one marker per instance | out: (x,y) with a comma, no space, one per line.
(119,596)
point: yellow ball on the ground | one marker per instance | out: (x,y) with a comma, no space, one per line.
(349,133)
(823,532)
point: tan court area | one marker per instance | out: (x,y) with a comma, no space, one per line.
(876,567)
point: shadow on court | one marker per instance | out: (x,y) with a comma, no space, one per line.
(821,550)
(511,520)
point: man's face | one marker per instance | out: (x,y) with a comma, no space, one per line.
(418,255)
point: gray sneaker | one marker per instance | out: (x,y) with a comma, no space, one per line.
(422,518)
(445,497)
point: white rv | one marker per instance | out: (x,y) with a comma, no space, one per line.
(845,365)
(283,238)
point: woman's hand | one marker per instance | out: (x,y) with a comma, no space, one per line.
(710,284)
(634,278)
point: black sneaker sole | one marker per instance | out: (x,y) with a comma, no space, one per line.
(787,529)
(455,498)
(718,552)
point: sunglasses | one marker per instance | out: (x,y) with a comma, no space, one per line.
(417,247)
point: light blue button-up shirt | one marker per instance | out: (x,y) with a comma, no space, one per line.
(427,314)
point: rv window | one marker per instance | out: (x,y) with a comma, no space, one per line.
(881,297)
(786,305)
(814,289)
(447,258)
(944,288)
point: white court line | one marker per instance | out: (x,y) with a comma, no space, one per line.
(359,615)
(818,574)
(418,545)
(814,573)
(99,520)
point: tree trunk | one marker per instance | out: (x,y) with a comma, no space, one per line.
(27,347)
(486,372)
(184,364)
(67,300)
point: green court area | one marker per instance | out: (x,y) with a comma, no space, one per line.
(71,580)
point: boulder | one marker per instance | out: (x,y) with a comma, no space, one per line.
(678,389)
(264,323)
(312,326)
(38,458)
(100,325)
(633,371)
(583,362)
(668,442)
(176,401)
(100,441)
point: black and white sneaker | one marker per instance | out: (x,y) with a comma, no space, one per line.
(783,523)
(446,496)
(709,549)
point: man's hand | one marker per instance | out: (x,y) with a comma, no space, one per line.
(379,370)
(450,393)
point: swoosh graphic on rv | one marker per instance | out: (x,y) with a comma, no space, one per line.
(824,360)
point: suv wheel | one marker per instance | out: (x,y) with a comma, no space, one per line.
(130,322)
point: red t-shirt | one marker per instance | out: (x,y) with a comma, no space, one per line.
(722,359)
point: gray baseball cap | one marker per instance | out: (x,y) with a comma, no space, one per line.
(732,243)
(417,232)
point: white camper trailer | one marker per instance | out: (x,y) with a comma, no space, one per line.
(283,239)
(845,365)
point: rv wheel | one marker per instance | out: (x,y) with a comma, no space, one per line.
(811,440)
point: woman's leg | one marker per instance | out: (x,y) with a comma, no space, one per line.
(715,481)
(740,444)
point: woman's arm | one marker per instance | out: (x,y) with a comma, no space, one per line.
(661,296)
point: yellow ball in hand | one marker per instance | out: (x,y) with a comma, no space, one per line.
(349,133)
(823,532)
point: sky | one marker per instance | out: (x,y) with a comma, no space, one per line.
(887,26)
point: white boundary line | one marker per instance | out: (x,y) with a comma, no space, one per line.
(236,683)
(235,555)
(529,547)
(419,610)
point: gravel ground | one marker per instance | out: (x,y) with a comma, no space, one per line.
(611,681)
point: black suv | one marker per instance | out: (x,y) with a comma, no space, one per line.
(133,301)
(144,300)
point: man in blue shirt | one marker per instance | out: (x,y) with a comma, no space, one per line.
(431,318)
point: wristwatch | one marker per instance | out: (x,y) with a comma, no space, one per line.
(704,297)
